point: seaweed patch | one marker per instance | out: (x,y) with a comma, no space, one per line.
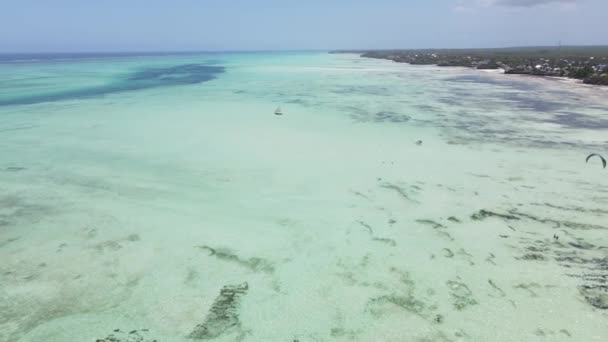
(438,227)
(399,190)
(109,245)
(341,332)
(403,297)
(370,230)
(223,317)
(532,256)
(127,336)
(529,287)
(483,214)
(407,302)
(461,295)
(516,215)
(583,260)
(557,223)
(389,242)
(466,256)
(491,258)
(448,253)
(498,290)
(432,223)
(254,264)
(360,194)
(572,208)
(596,295)
(393,117)
(14,169)
(16,209)
(453,219)
(8,241)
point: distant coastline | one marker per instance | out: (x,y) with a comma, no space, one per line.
(586,63)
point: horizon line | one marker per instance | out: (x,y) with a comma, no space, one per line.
(287,50)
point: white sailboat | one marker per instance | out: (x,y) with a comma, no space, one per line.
(278,111)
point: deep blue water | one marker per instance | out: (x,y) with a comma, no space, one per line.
(64,56)
(145,78)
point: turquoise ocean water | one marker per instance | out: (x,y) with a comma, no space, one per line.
(158,198)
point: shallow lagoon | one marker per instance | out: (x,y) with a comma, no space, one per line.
(176,206)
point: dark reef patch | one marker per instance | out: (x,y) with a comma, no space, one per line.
(147,78)
(427,108)
(528,101)
(363,116)
(450,101)
(577,121)
(365,90)
(480,79)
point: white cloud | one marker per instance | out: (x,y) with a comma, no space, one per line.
(463,8)
(530,3)
(471,5)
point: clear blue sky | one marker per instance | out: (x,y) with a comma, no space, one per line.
(141,25)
